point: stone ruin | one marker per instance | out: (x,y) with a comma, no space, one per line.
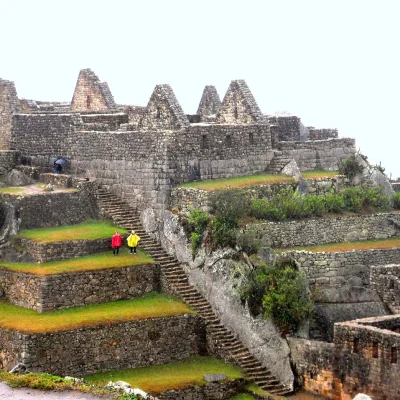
(142,153)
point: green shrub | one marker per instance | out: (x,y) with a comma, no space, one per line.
(334,203)
(230,205)
(223,233)
(350,167)
(247,242)
(279,292)
(198,222)
(352,199)
(395,200)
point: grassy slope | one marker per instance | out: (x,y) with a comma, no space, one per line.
(348,246)
(153,305)
(176,375)
(88,230)
(88,263)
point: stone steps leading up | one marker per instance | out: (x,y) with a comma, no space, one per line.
(178,282)
(278,163)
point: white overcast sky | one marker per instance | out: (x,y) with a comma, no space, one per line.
(334,63)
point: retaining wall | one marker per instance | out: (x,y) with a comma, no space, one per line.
(53,292)
(326,230)
(116,346)
(385,280)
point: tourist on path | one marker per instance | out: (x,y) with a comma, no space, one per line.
(116,242)
(133,241)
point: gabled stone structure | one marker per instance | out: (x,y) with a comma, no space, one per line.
(239,106)
(91,94)
(210,104)
(9,105)
(163,111)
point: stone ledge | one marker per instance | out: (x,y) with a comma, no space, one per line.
(56,179)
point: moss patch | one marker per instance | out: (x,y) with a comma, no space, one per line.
(153,305)
(87,263)
(89,230)
(348,246)
(12,190)
(243,396)
(238,182)
(172,376)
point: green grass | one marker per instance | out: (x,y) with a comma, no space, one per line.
(319,174)
(348,246)
(243,396)
(11,190)
(55,383)
(238,182)
(256,389)
(88,230)
(176,375)
(87,263)
(152,305)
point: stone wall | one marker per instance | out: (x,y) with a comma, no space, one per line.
(8,160)
(209,106)
(44,252)
(53,292)
(322,134)
(112,121)
(9,104)
(284,128)
(385,280)
(321,154)
(114,346)
(91,94)
(51,208)
(186,197)
(210,391)
(369,356)
(12,345)
(314,362)
(343,268)
(326,230)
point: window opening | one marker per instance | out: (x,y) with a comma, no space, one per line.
(375,350)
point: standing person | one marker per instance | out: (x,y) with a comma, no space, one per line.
(133,241)
(116,242)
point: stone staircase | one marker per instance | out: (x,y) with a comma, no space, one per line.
(224,341)
(278,163)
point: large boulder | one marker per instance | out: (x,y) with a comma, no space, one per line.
(17,178)
(362,396)
(292,169)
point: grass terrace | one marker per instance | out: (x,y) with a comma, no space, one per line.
(12,190)
(319,174)
(243,396)
(349,246)
(37,188)
(152,305)
(238,182)
(88,230)
(172,376)
(254,180)
(87,263)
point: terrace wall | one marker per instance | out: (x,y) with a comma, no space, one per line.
(44,252)
(12,345)
(338,269)
(326,230)
(115,346)
(53,292)
(8,159)
(321,154)
(385,280)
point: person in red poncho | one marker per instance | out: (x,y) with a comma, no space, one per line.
(116,242)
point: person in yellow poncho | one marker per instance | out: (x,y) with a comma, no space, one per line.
(133,241)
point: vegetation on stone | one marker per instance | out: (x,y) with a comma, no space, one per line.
(89,230)
(390,243)
(53,382)
(278,291)
(12,190)
(153,305)
(87,263)
(350,167)
(172,376)
(243,396)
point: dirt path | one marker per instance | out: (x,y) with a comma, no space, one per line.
(6,393)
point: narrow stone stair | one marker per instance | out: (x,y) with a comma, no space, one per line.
(115,208)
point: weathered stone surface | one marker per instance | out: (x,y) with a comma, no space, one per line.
(53,292)
(292,169)
(115,346)
(17,178)
(211,274)
(362,396)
